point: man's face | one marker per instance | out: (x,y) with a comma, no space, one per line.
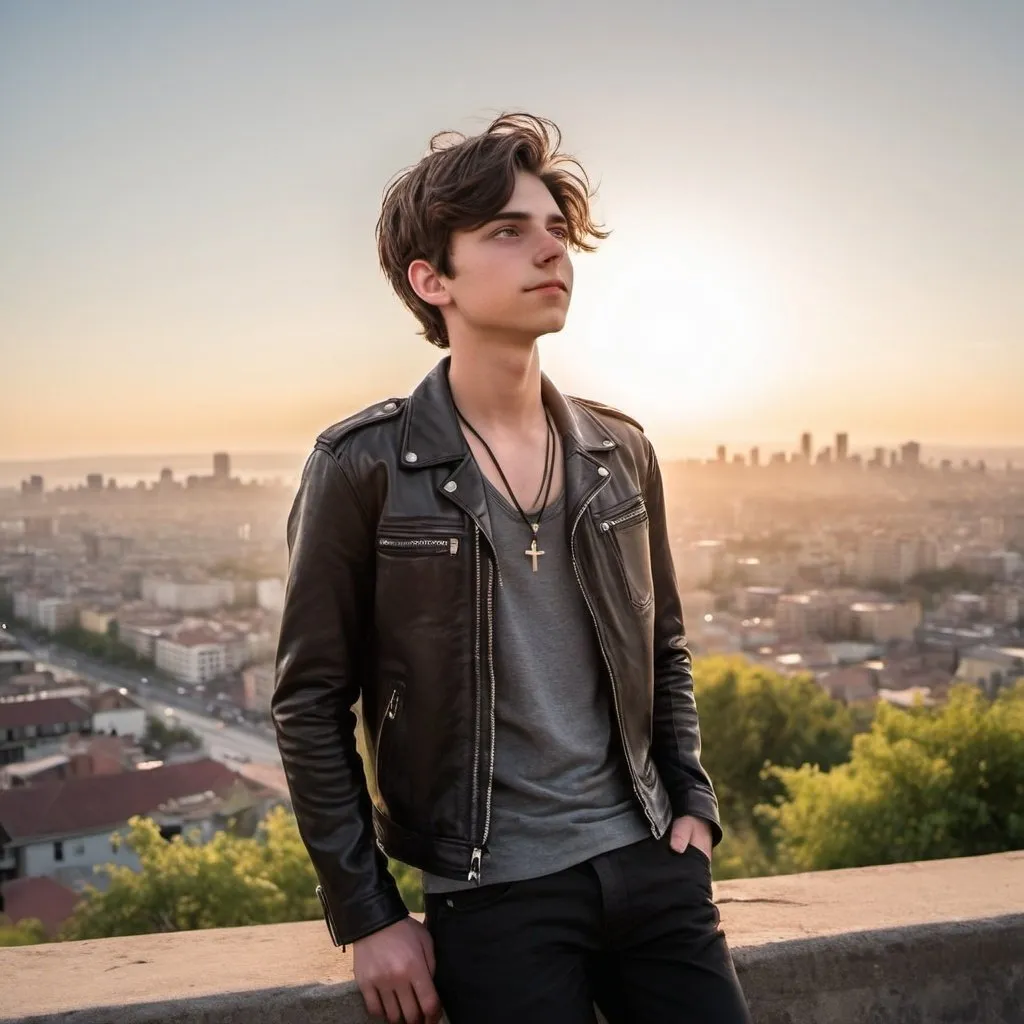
(513,274)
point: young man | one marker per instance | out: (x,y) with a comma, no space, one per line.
(486,564)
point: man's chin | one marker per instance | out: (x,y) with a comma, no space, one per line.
(551,325)
(528,328)
(551,330)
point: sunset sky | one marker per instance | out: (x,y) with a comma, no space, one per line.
(817,213)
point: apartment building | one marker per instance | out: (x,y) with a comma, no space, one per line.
(55,614)
(886,558)
(193,655)
(182,596)
(37,726)
(65,829)
(885,622)
(991,668)
(258,687)
(815,613)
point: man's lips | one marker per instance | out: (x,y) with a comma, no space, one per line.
(560,285)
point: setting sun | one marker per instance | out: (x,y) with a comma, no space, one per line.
(702,323)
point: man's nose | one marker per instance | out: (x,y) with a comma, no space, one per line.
(550,250)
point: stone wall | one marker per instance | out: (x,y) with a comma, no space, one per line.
(900,944)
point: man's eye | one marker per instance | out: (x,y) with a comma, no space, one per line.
(501,231)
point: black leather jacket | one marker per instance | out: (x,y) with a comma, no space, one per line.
(390,597)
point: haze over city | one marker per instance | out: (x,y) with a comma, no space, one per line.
(816,213)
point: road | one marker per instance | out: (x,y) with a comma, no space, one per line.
(222,740)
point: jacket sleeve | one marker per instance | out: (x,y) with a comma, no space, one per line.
(327,608)
(675,745)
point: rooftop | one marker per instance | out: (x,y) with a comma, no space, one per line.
(26,769)
(113,699)
(42,898)
(80,806)
(43,711)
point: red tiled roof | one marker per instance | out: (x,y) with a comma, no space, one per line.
(39,897)
(78,806)
(112,700)
(44,711)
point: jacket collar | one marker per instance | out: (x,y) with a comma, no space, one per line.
(433,436)
(432,433)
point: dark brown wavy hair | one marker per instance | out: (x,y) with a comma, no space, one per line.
(460,184)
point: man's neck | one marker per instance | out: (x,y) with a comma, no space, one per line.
(497,386)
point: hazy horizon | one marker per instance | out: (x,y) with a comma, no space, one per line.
(817,215)
(286,464)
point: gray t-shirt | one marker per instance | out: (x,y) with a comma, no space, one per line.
(562,793)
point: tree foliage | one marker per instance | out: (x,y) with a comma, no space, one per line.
(752,717)
(104,646)
(27,932)
(922,784)
(184,884)
(161,737)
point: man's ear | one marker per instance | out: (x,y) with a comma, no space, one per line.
(428,284)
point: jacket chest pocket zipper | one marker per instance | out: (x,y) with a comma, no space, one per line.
(635,514)
(629,547)
(420,545)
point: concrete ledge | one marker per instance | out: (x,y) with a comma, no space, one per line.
(899,944)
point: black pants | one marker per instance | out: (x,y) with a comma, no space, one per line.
(634,931)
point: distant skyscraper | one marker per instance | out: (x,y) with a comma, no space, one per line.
(221,465)
(33,485)
(720,453)
(842,447)
(805,446)
(166,476)
(755,457)
(94,481)
(911,455)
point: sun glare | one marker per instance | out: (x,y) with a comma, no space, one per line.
(681,340)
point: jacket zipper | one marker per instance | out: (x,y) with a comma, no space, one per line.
(394,703)
(604,652)
(438,544)
(322,897)
(475,868)
(636,513)
(475,794)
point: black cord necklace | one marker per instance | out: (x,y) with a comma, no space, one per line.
(545,485)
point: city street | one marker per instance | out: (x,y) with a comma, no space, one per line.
(222,740)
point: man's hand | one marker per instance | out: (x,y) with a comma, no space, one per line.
(688,829)
(394,970)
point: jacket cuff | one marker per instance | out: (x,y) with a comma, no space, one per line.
(352,921)
(699,803)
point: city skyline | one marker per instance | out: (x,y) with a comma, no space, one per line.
(128,469)
(816,217)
